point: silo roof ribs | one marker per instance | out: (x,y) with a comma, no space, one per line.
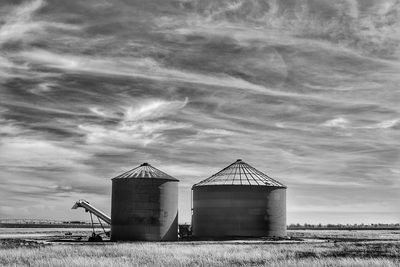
(240,173)
(145,171)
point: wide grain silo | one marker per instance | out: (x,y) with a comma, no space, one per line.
(144,205)
(239,201)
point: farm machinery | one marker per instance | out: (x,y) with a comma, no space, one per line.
(101,216)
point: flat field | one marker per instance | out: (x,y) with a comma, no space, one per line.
(306,248)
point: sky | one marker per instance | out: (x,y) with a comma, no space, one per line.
(306,91)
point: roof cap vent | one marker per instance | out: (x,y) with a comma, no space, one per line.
(145,164)
(238,160)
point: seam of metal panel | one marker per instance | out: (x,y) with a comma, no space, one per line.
(234,175)
(246,175)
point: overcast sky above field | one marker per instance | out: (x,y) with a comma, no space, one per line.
(306,91)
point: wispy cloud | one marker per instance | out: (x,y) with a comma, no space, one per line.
(17,152)
(367,26)
(141,124)
(344,123)
(383,125)
(153,109)
(20,29)
(306,91)
(19,23)
(43,88)
(145,68)
(339,122)
(101,112)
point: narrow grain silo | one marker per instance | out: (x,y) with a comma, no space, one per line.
(144,205)
(239,201)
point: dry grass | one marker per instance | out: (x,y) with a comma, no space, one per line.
(347,234)
(341,248)
(204,254)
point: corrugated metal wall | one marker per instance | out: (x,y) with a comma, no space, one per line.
(144,209)
(239,210)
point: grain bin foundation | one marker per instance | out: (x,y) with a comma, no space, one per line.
(239,201)
(144,206)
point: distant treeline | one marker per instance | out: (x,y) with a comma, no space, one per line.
(48,225)
(35,223)
(39,223)
(362,226)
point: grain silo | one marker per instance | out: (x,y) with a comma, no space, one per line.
(239,201)
(144,205)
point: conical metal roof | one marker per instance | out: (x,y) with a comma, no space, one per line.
(145,171)
(240,173)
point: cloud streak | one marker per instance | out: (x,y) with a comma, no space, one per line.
(140,124)
(144,68)
(306,91)
(19,23)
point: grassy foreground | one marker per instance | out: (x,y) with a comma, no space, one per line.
(203,254)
